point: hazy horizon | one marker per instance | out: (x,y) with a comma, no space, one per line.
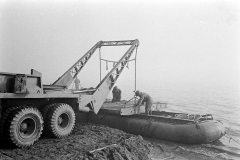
(181,42)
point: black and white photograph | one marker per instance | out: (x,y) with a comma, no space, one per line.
(119,80)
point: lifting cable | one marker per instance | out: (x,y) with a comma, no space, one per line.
(135,81)
(135,70)
(115,62)
(100,63)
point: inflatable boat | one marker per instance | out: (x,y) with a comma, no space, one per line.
(176,127)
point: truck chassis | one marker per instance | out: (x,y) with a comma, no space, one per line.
(29,109)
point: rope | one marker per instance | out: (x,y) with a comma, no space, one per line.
(128,101)
(117,61)
(114,62)
(135,78)
(230,138)
(100,64)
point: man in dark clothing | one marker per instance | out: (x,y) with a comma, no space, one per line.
(144,97)
(116,94)
(77,84)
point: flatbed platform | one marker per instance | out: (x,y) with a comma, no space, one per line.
(128,108)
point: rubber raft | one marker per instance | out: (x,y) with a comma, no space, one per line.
(175,127)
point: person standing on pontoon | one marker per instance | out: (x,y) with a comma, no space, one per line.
(144,97)
(116,94)
(77,84)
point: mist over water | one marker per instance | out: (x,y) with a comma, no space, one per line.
(222,101)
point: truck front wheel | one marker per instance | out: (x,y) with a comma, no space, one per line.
(60,120)
(25,126)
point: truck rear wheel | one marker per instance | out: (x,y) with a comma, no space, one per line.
(60,120)
(24,126)
(44,112)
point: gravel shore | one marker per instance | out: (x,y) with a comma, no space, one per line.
(88,142)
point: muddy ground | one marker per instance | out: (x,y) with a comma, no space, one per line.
(87,141)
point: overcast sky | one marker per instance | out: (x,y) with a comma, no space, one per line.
(180,41)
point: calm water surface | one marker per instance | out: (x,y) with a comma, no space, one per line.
(223,102)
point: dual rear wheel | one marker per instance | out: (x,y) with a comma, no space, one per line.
(59,120)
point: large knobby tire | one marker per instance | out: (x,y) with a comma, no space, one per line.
(5,115)
(24,127)
(60,120)
(44,112)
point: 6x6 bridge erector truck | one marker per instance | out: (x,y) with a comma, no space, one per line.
(28,108)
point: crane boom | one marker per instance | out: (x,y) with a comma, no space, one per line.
(102,90)
(68,77)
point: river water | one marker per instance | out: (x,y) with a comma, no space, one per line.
(222,101)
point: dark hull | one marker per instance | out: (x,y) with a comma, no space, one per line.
(163,127)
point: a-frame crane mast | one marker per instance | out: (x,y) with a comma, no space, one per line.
(99,94)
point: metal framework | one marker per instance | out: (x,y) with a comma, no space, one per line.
(115,62)
(68,77)
(94,100)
